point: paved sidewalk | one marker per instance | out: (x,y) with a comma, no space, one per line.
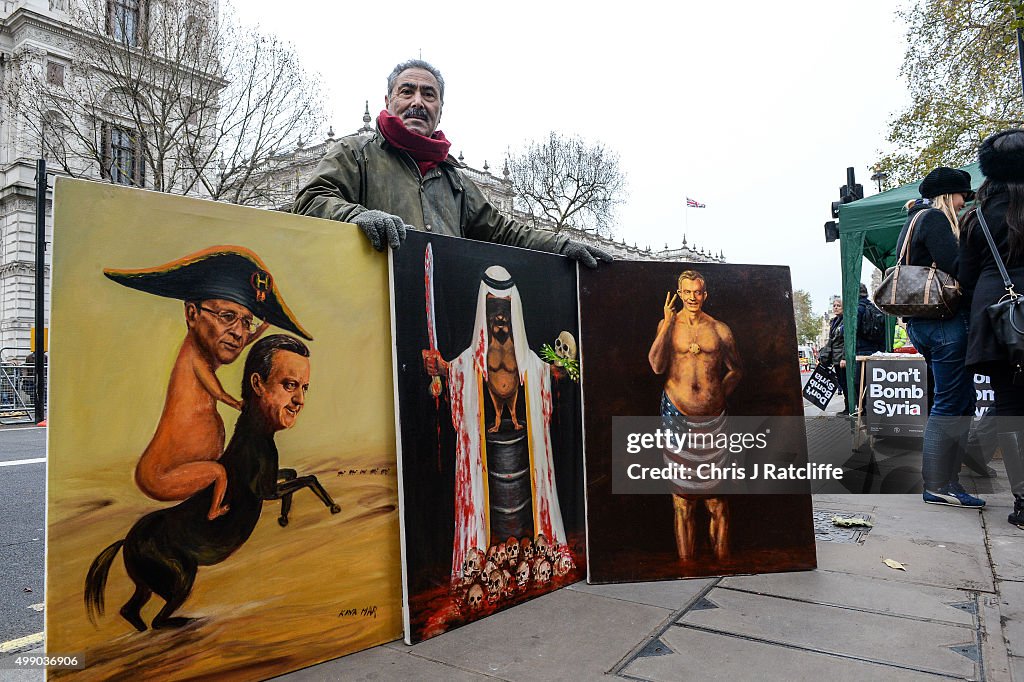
(956,612)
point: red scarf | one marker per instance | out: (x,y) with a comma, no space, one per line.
(428,152)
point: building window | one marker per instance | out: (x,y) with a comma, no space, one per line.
(125,19)
(122,157)
(53,137)
(190,111)
(55,73)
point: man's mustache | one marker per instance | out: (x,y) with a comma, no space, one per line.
(416,112)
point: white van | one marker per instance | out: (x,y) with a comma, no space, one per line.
(808,358)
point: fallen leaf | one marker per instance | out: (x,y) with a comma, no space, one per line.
(26,589)
(848,521)
(893,564)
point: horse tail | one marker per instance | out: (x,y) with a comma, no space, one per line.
(96,580)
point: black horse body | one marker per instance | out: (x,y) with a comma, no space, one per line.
(163,550)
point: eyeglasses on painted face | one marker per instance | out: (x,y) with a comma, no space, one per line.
(228,318)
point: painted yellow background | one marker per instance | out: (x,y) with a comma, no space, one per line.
(284,600)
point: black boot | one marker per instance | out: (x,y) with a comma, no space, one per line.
(1012,446)
(981,446)
(1017,517)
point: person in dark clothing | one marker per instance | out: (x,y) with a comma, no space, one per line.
(870,334)
(934,228)
(1001,200)
(831,354)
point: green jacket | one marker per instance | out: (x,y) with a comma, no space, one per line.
(364,171)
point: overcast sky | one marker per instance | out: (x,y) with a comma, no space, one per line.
(755,109)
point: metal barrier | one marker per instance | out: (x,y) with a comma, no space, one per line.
(17,387)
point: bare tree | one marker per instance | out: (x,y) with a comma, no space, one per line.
(569,182)
(169,96)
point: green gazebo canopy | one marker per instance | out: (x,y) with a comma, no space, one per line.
(869,228)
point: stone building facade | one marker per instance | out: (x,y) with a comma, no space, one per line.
(50,39)
(42,26)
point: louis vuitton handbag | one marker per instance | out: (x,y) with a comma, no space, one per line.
(1007,314)
(917,290)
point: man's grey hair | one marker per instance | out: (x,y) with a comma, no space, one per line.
(693,276)
(416,64)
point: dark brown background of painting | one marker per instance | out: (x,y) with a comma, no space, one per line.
(547,288)
(630,537)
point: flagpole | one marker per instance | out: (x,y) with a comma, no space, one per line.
(686,212)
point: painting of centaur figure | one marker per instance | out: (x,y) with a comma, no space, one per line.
(696,344)
(490,451)
(216,495)
(223,287)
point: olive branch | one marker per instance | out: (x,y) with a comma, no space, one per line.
(572,367)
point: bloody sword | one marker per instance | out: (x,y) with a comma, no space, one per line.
(428,281)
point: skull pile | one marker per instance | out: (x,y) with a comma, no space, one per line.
(475,598)
(507,570)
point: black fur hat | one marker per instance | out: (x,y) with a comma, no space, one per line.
(1001,156)
(945,180)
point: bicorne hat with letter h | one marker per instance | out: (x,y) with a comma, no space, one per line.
(230,273)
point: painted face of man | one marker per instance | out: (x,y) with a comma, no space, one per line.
(221,327)
(499,318)
(416,99)
(282,396)
(692,294)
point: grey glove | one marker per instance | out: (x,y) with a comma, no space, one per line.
(379,226)
(588,255)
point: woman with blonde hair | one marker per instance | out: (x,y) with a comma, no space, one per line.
(943,343)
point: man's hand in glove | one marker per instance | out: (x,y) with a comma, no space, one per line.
(381,228)
(588,255)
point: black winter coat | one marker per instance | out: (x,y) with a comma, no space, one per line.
(979,277)
(832,352)
(933,241)
(865,311)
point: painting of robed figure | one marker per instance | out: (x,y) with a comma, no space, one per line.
(488,409)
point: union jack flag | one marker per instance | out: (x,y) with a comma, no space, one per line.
(693,203)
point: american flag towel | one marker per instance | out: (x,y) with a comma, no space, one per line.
(693,203)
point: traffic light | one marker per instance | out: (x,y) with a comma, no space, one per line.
(831,231)
(849,192)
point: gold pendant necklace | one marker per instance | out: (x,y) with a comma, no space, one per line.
(694,346)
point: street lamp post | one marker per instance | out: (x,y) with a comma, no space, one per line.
(40,333)
(880,177)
